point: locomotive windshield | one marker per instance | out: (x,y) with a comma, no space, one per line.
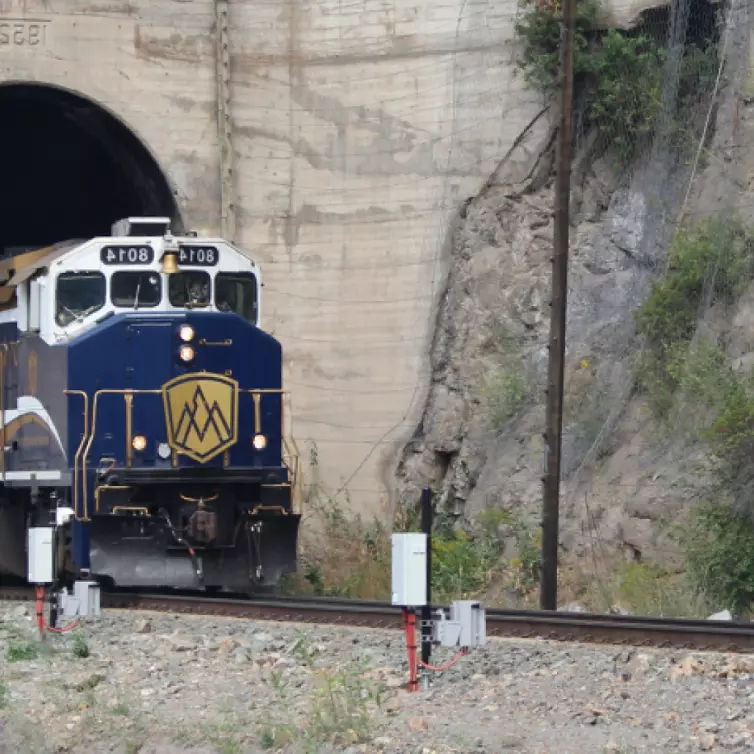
(79,294)
(237,292)
(189,289)
(135,289)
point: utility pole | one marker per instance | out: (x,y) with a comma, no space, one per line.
(554,411)
(224,123)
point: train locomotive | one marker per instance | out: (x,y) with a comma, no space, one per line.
(143,415)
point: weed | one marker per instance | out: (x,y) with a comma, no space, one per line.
(121,708)
(80,646)
(18,651)
(647,589)
(505,394)
(303,650)
(341,711)
(90,683)
(228,746)
(131,746)
(268,740)
(4,695)
(10,630)
(463,565)
(88,701)
(717,543)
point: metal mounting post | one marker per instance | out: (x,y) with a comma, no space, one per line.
(426,611)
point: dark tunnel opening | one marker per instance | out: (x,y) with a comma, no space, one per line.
(70,169)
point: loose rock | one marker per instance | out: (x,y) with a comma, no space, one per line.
(203,685)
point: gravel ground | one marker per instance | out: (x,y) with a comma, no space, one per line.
(153,683)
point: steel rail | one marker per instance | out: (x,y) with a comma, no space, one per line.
(678,633)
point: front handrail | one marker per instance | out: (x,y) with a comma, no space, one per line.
(84,434)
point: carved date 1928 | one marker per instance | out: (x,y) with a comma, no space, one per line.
(22,33)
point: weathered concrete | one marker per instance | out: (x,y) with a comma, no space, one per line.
(357,131)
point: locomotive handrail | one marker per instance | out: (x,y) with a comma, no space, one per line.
(3,351)
(97,395)
(84,434)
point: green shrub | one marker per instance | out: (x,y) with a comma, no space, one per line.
(618,76)
(624,97)
(720,555)
(539,28)
(709,262)
(21,650)
(731,436)
(504,395)
(461,565)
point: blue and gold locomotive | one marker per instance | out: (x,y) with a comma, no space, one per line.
(142,410)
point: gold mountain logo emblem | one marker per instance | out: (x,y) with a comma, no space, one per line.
(201,413)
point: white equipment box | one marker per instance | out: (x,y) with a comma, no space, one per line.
(40,566)
(409,569)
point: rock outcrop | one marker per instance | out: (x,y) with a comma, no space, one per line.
(621,485)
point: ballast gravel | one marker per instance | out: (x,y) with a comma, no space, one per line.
(155,683)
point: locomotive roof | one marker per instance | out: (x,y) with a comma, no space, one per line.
(16,269)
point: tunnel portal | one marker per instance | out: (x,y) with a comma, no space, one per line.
(70,169)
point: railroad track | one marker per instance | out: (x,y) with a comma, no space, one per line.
(695,635)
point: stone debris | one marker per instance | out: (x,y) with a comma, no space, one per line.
(724,615)
(201,685)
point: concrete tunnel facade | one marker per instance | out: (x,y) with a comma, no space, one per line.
(333,142)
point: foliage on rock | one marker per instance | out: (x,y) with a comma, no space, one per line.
(710,262)
(539,27)
(719,555)
(686,371)
(618,76)
(625,90)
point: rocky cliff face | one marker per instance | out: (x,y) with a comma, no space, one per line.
(480,443)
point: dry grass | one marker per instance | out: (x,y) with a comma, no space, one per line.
(344,556)
(349,557)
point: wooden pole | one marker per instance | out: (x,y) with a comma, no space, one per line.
(555,370)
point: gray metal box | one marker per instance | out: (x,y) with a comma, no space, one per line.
(409,569)
(465,627)
(84,602)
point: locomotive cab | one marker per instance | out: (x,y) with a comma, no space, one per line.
(159,404)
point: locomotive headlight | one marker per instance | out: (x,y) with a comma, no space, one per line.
(186,353)
(186,333)
(259,442)
(139,442)
(163,451)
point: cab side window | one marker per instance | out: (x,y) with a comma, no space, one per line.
(77,295)
(237,292)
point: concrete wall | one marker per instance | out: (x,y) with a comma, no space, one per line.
(357,128)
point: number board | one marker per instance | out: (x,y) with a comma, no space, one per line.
(127,255)
(198,256)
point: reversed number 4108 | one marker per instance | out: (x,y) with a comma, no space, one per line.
(131,254)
